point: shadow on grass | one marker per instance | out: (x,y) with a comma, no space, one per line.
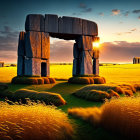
(86,131)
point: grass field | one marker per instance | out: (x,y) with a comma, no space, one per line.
(126,73)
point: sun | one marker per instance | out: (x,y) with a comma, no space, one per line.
(96,44)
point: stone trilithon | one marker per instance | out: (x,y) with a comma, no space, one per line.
(34,44)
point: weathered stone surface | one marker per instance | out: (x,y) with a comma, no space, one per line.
(21,44)
(33,44)
(96,66)
(84,42)
(89,28)
(32,66)
(96,53)
(45,68)
(86,65)
(70,25)
(51,23)
(85,53)
(45,43)
(76,66)
(20,66)
(77,26)
(34,22)
(76,51)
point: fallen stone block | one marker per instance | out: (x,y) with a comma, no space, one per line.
(34,22)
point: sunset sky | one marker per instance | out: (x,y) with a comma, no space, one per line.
(118,22)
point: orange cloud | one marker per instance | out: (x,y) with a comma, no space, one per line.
(115,12)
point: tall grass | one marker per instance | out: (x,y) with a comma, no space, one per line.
(33,122)
(122,116)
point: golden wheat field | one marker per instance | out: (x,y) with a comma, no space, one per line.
(124,112)
(33,122)
(124,73)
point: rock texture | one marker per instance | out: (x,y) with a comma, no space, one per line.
(89,28)
(96,66)
(21,44)
(86,65)
(70,25)
(45,45)
(64,25)
(51,23)
(32,66)
(34,22)
(20,65)
(33,44)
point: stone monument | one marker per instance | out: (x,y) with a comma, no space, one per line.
(34,44)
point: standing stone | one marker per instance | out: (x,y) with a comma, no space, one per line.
(138,60)
(86,65)
(47,68)
(134,60)
(32,66)
(34,22)
(96,53)
(21,44)
(76,51)
(51,23)
(76,66)
(20,66)
(85,43)
(89,28)
(96,66)
(45,46)
(33,44)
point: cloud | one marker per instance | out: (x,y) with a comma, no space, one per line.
(115,12)
(122,33)
(119,51)
(139,17)
(82,5)
(8,39)
(136,11)
(134,30)
(126,13)
(84,8)
(101,14)
(61,51)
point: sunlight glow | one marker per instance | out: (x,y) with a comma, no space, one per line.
(95,44)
